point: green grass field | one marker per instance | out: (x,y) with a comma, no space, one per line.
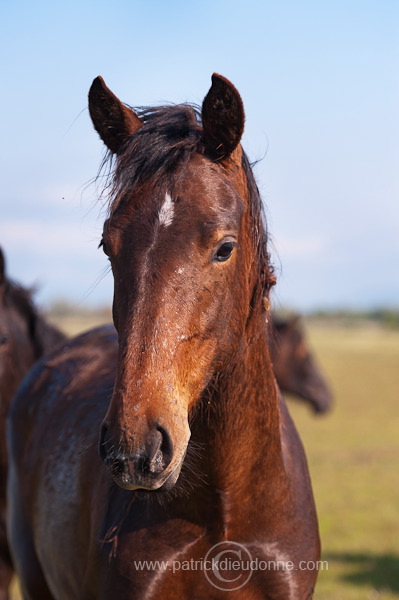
(353,456)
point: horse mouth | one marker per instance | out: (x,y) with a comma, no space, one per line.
(124,476)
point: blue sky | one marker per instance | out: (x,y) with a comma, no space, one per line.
(320,84)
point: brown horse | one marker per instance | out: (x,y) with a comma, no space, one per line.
(24,337)
(198,457)
(294,365)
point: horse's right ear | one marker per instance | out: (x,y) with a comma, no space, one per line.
(113,120)
(222,118)
(2,267)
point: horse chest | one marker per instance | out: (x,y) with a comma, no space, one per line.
(179,562)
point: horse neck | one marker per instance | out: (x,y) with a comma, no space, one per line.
(241,433)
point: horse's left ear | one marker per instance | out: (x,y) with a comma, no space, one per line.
(113,120)
(222,118)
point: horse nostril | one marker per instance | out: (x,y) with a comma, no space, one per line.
(158,451)
(167,445)
(150,458)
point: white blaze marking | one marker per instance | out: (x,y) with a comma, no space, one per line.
(167,211)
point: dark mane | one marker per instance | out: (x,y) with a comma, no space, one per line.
(169,136)
(267,278)
(43,335)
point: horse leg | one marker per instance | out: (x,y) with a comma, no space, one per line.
(32,581)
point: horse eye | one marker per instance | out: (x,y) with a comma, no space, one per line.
(103,246)
(224,251)
(3,339)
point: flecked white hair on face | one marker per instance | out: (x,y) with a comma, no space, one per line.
(166,213)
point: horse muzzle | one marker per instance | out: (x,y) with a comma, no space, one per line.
(150,466)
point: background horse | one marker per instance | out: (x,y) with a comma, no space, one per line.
(294,365)
(24,337)
(196,447)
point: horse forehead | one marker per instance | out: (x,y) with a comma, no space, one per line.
(201,192)
(206,191)
(202,186)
